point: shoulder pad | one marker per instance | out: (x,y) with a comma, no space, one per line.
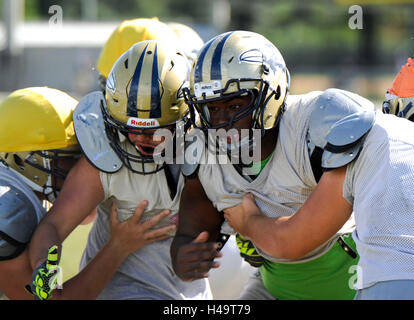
(338,123)
(193,151)
(91,133)
(18,221)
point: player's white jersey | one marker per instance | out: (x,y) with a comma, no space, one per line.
(380,186)
(285,182)
(146,273)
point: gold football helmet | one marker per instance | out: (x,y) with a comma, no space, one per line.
(401,107)
(125,36)
(36,134)
(233,64)
(143,94)
(189,40)
(400,97)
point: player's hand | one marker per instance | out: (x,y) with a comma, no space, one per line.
(132,234)
(44,278)
(248,252)
(238,216)
(194,260)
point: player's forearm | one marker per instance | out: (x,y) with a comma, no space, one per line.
(93,278)
(274,236)
(45,236)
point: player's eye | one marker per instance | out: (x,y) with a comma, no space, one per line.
(212,109)
(235,107)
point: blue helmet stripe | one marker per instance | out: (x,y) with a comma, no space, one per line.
(198,71)
(216,61)
(155,88)
(133,91)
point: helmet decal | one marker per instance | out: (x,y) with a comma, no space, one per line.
(133,91)
(215,64)
(143,123)
(110,83)
(198,71)
(155,89)
(253,56)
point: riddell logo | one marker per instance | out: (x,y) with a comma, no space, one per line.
(142,123)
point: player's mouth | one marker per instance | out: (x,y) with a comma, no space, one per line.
(145,149)
(234,138)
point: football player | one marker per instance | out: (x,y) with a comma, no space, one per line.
(37,149)
(239,81)
(118,134)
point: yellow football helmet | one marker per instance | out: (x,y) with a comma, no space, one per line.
(236,63)
(125,36)
(144,93)
(189,40)
(36,132)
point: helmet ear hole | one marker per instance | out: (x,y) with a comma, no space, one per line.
(278,93)
(18,161)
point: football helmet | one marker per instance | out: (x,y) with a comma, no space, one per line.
(401,107)
(189,40)
(127,34)
(233,64)
(143,94)
(400,97)
(36,134)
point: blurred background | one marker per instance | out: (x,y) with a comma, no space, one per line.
(326,43)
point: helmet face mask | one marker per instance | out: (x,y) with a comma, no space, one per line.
(143,95)
(44,171)
(200,106)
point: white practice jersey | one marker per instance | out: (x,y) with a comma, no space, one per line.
(380,186)
(146,273)
(285,182)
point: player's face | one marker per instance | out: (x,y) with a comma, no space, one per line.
(223,111)
(146,141)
